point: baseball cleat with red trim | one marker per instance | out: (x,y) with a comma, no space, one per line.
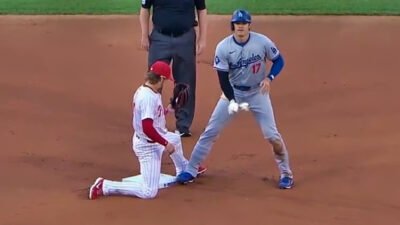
(202,169)
(96,190)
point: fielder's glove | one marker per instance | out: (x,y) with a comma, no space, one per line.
(180,96)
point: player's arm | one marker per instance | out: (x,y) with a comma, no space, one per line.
(276,68)
(144,18)
(277,65)
(152,133)
(221,64)
(225,85)
(273,54)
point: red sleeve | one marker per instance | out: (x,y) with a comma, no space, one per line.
(151,132)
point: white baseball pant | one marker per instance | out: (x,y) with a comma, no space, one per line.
(149,155)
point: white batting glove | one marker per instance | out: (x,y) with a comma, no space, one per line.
(233,107)
(244,106)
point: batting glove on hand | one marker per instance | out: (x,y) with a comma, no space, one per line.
(233,107)
(244,106)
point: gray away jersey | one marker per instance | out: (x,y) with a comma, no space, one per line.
(246,64)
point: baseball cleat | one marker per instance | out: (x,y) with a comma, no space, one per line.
(96,190)
(286,182)
(202,169)
(184,178)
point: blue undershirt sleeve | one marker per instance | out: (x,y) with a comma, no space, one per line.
(277,65)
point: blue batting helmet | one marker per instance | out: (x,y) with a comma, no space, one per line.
(241,15)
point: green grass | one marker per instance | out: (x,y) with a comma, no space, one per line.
(69,6)
(291,7)
(307,7)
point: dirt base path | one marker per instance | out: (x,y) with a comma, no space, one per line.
(66,84)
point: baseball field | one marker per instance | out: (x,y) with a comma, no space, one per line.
(66,83)
(262,7)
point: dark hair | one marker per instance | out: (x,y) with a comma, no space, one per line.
(152,77)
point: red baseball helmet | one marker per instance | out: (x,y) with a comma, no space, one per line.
(163,69)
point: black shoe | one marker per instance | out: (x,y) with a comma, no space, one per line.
(183,134)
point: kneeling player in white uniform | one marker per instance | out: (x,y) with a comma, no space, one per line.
(150,140)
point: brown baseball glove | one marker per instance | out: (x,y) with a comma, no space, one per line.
(180,96)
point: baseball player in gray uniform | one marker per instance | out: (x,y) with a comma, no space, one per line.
(241,64)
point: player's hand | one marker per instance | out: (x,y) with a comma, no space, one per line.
(170,148)
(244,106)
(145,43)
(233,107)
(169,110)
(200,46)
(265,85)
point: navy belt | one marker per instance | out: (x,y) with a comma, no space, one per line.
(148,141)
(242,88)
(171,33)
(245,88)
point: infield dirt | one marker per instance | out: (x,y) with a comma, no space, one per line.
(66,84)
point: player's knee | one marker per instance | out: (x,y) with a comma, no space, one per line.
(277,146)
(150,193)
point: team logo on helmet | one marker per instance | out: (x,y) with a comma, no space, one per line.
(241,15)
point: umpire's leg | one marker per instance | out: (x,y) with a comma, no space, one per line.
(184,71)
(160,48)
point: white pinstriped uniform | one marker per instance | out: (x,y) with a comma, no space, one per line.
(148,104)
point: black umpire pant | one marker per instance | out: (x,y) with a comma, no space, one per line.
(182,51)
